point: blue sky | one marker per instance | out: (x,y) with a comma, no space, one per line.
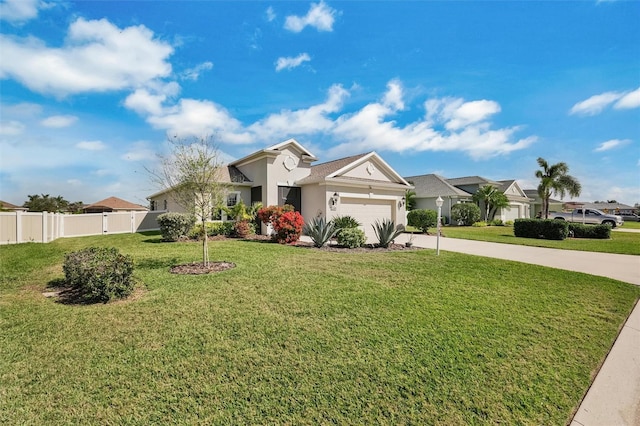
(91,89)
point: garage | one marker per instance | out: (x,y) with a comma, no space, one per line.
(367,212)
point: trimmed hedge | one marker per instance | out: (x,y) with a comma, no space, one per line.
(99,273)
(601,232)
(422,219)
(465,214)
(175,225)
(547,229)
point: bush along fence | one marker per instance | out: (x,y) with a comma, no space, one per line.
(551,229)
(44,227)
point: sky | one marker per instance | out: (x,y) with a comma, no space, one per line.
(90,91)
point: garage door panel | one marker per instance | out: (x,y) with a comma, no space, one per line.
(367,212)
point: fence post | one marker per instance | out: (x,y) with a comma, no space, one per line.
(133,222)
(44,227)
(105,219)
(18,227)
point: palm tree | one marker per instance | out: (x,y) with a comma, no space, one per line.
(554,179)
(492,199)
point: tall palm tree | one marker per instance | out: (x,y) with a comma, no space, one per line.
(491,198)
(554,179)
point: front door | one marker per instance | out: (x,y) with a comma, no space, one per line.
(290,195)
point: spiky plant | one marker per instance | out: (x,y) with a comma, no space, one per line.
(320,231)
(386,231)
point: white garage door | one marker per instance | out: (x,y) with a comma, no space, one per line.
(367,211)
(512,213)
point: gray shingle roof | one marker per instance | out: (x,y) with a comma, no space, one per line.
(321,171)
(472,180)
(433,185)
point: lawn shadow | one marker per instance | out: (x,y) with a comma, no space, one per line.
(66,295)
(156,263)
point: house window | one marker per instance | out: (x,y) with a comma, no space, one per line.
(153,205)
(233,198)
(164,203)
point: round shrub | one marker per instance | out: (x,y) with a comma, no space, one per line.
(99,273)
(465,214)
(175,225)
(288,227)
(351,237)
(422,219)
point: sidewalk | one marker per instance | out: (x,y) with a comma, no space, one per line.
(614,396)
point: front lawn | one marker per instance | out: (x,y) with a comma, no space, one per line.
(298,336)
(620,242)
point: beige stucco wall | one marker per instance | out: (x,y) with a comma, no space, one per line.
(368,170)
(315,200)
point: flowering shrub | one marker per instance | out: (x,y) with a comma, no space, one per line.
(267,215)
(286,223)
(288,227)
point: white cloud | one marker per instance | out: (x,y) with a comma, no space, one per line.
(450,124)
(191,117)
(18,11)
(629,100)
(611,144)
(304,121)
(91,145)
(271,14)
(59,121)
(320,16)
(291,62)
(97,56)
(595,104)
(139,151)
(194,73)
(11,127)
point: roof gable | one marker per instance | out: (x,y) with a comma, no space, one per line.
(275,150)
(511,187)
(115,203)
(432,185)
(368,167)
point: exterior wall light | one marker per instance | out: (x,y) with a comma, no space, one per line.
(333,201)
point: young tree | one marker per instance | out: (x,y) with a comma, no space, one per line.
(193,172)
(491,198)
(555,179)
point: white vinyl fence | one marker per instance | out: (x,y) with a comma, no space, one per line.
(23,227)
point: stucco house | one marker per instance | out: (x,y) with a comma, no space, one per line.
(460,190)
(113,204)
(363,186)
(6,206)
(536,203)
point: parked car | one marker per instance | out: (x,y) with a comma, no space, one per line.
(589,216)
(630,217)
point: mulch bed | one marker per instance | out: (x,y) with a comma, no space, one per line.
(198,268)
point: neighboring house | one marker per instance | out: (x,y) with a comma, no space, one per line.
(460,190)
(363,186)
(5,206)
(536,203)
(113,204)
(429,187)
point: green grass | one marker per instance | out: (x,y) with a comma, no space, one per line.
(620,242)
(298,336)
(631,225)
